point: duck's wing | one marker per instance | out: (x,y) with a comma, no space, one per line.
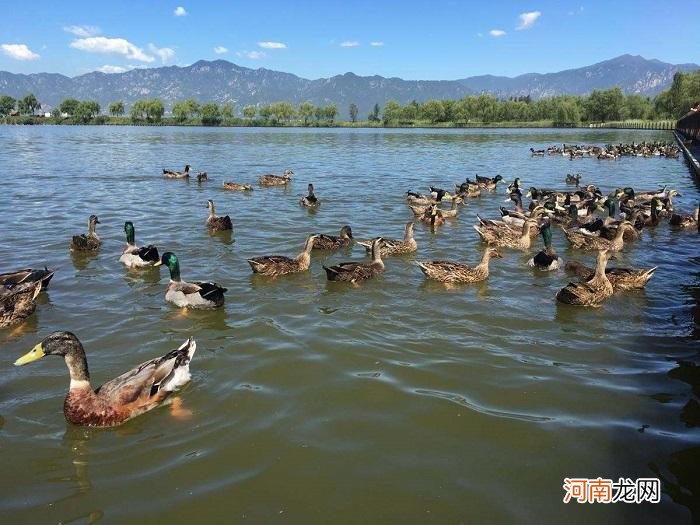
(148,253)
(150,380)
(27,275)
(211,291)
(326,241)
(17,302)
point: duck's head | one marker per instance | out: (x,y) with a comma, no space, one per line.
(497,178)
(346,231)
(130,232)
(309,243)
(170,260)
(288,173)
(64,344)
(210,205)
(93,220)
(409,227)
(311,189)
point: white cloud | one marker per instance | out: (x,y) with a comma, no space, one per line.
(253,55)
(180,11)
(376,43)
(497,32)
(114,69)
(82,31)
(350,43)
(220,50)
(272,45)
(19,52)
(527,20)
(114,46)
(164,53)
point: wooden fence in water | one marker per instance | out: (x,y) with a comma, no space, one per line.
(637,124)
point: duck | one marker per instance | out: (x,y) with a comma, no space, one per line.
(505,236)
(591,292)
(546,259)
(514,186)
(452,272)
(174,174)
(334,242)
(216,223)
(621,278)
(416,199)
(590,242)
(89,242)
(133,256)
(310,201)
(419,211)
(488,184)
(234,186)
(573,179)
(199,294)
(276,180)
(537,152)
(202,177)
(17,302)
(433,217)
(468,189)
(27,275)
(139,390)
(274,265)
(354,272)
(388,247)
(446,195)
(685,221)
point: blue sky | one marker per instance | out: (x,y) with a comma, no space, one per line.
(409,39)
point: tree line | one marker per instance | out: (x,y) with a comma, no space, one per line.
(565,110)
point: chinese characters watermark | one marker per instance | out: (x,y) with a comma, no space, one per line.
(601,490)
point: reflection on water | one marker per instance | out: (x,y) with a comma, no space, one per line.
(393,400)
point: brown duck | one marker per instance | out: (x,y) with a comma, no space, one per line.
(274,265)
(451,272)
(334,242)
(354,272)
(89,242)
(216,223)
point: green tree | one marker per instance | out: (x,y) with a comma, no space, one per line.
(605,105)
(433,111)
(352,110)
(374,115)
(210,114)
(116,109)
(154,110)
(69,106)
(306,112)
(392,112)
(330,112)
(181,111)
(28,104)
(139,110)
(7,104)
(282,111)
(86,111)
(227,111)
(249,112)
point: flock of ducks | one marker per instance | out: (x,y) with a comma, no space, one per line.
(627,212)
(612,151)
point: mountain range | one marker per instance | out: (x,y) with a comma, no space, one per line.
(222,81)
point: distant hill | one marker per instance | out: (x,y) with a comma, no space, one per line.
(222,81)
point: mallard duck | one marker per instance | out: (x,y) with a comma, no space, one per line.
(505,236)
(90,242)
(537,152)
(334,242)
(433,217)
(274,265)
(216,223)
(127,396)
(28,275)
(199,294)
(17,302)
(685,221)
(276,180)
(546,259)
(202,177)
(416,199)
(468,189)
(590,242)
(620,278)
(451,272)
(573,179)
(390,247)
(133,256)
(310,201)
(354,271)
(488,184)
(592,292)
(420,211)
(234,186)
(174,174)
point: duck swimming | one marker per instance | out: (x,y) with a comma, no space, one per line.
(354,272)
(28,275)
(216,223)
(131,394)
(504,236)
(17,302)
(234,186)
(334,242)
(310,201)
(89,242)
(173,174)
(592,292)
(547,259)
(199,294)
(133,256)
(275,265)
(388,247)
(621,278)
(276,180)
(451,272)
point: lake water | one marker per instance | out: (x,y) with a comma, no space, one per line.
(397,400)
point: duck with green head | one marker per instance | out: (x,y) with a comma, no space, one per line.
(547,259)
(199,294)
(133,256)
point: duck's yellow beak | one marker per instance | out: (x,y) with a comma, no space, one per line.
(35,353)
(158,263)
